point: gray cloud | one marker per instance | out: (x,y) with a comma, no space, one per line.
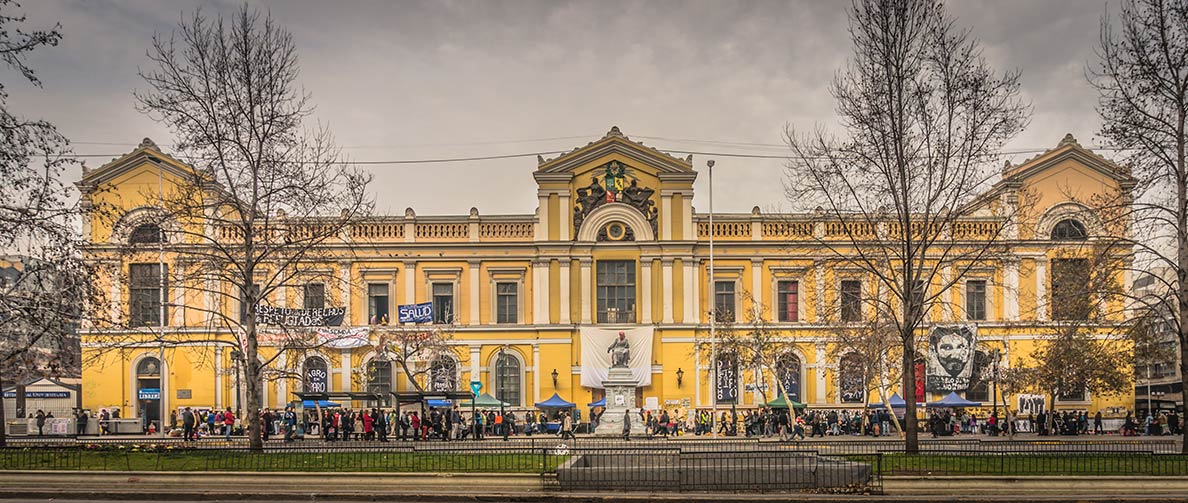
(411,80)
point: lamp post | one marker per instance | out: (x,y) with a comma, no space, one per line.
(555,375)
(680,376)
(994,355)
(236,357)
(714,308)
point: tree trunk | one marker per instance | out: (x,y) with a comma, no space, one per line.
(911,438)
(254,385)
(1182,267)
(3,423)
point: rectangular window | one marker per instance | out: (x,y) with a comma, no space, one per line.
(616,291)
(787,302)
(315,296)
(851,300)
(975,300)
(144,289)
(377,304)
(247,300)
(506,302)
(1069,295)
(724,301)
(443,303)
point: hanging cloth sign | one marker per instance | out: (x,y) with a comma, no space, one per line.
(324,317)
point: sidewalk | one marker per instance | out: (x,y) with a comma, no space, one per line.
(156,486)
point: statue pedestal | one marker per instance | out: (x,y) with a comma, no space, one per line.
(620,387)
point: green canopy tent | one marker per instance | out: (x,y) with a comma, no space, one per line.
(484,400)
(783,403)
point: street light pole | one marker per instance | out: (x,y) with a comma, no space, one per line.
(713,308)
(502,419)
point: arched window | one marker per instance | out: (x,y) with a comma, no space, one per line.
(379,379)
(507,379)
(788,372)
(146,233)
(852,384)
(443,374)
(1069,230)
(316,378)
(148,390)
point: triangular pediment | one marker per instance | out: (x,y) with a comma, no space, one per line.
(1068,149)
(616,143)
(147,153)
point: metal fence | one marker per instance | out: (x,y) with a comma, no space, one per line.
(595,464)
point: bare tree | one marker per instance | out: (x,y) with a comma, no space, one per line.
(414,348)
(871,347)
(45,288)
(925,117)
(754,342)
(1090,348)
(269,197)
(1142,77)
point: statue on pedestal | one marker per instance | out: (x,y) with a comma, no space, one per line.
(620,351)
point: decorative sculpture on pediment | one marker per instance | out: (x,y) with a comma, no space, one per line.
(615,188)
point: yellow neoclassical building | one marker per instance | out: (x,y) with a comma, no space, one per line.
(615,245)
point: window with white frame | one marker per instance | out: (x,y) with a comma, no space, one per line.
(975,300)
(507,302)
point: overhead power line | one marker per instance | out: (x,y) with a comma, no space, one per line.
(438,160)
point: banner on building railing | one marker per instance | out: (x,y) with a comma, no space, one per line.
(330,337)
(596,359)
(283,316)
(950,357)
(415,313)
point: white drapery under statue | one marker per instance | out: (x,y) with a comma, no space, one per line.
(596,361)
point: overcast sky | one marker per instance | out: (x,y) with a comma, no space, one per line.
(418,80)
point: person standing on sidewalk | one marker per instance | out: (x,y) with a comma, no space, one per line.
(228,423)
(290,421)
(567,427)
(627,425)
(187,425)
(81,423)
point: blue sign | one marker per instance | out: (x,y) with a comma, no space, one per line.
(476,387)
(415,313)
(39,394)
(149,394)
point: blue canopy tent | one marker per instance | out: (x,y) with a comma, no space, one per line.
(319,403)
(953,400)
(897,402)
(555,402)
(600,403)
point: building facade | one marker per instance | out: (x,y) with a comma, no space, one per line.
(615,245)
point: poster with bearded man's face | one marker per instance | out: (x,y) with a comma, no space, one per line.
(950,357)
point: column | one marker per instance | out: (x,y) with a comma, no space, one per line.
(177,315)
(666,211)
(694,287)
(565,286)
(821,367)
(344,369)
(540,294)
(218,371)
(697,378)
(666,287)
(410,283)
(282,384)
(1010,291)
(474,292)
(565,223)
(819,290)
(542,227)
(586,264)
(690,291)
(947,298)
(687,211)
(756,286)
(282,294)
(344,279)
(476,352)
(645,265)
(116,272)
(1041,289)
(536,373)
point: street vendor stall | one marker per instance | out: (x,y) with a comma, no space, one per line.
(555,404)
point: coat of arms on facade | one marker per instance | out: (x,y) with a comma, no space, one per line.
(616,186)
